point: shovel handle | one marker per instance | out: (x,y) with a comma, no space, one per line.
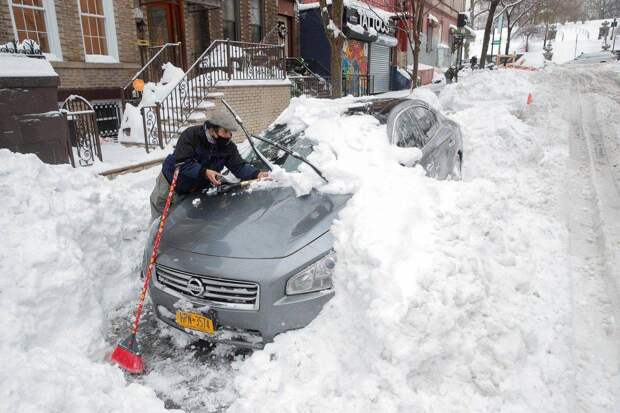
(153,259)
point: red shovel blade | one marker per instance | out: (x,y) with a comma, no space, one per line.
(127,356)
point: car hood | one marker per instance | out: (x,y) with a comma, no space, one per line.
(267,223)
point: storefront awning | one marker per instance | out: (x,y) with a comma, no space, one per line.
(468,32)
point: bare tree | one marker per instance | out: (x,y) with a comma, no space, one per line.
(476,9)
(528,31)
(417,19)
(606,9)
(518,13)
(487,32)
(411,14)
(562,10)
(332,25)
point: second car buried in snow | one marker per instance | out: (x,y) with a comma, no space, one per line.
(241,267)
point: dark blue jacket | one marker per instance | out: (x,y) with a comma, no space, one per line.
(198,155)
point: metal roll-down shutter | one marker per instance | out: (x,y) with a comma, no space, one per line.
(379,68)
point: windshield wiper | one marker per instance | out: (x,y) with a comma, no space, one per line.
(272,143)
(291,153)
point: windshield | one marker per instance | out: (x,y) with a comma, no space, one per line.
(282,135)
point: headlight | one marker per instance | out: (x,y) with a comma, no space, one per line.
(315,277)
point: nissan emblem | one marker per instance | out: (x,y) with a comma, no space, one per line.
(195,287)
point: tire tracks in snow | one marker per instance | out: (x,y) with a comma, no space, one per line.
(593,219)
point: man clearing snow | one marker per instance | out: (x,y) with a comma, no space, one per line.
(203,151)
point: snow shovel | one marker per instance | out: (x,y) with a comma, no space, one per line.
(127,352)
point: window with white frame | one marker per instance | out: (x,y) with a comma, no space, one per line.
(98,30)
(256,20)
(36,20)
(230,10)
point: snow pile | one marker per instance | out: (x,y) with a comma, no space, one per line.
(71,244)
(132,129)
(444,300)
(22,66)
(532,59)
(157,92)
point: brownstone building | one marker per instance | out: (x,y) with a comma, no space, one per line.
(96,46)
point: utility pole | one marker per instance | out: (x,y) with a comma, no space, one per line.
(576,41)
(604,33)
(499,46)
(492,41)
(613,34)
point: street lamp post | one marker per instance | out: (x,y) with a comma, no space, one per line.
(603,32)
(548,54)
(613,34)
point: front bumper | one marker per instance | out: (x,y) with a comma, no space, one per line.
(251,329)
(277,312)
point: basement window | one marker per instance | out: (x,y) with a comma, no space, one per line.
(98,31)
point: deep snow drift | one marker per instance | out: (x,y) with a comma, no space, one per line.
(71,244)
(451,296)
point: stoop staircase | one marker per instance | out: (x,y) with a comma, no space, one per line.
(190,99)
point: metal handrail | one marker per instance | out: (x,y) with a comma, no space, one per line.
(148,71)
(222,60)
(303,63)
(147,64)
(210,49)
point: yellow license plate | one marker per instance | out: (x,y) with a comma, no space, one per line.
(195,321)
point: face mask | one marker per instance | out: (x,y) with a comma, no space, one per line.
(221,142)
(215,140)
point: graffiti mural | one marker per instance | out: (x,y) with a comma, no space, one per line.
(355,58)
(355,67)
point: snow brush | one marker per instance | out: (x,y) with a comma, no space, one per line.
(127,353)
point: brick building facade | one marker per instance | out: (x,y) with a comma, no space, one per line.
(96,76)
(93,44)
(258,105)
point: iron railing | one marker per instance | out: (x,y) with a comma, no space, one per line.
(151,71)
(231,60)
(357,85)
(310,86)
(83,131)
(304,80)
(352,84)
(223,60)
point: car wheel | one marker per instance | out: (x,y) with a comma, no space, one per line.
(457,168)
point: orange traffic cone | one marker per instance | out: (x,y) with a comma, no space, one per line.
(530,98)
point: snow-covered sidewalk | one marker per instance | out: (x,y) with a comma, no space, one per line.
(451,296)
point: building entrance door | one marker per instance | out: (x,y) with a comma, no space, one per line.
(165,25)
(284,34)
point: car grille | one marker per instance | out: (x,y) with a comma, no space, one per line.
(219,292)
